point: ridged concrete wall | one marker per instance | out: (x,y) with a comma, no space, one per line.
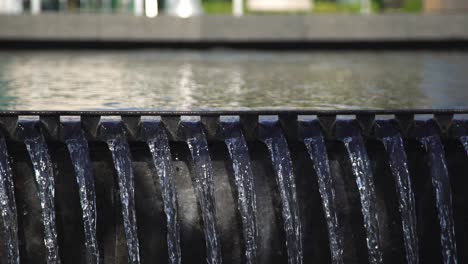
(399,27)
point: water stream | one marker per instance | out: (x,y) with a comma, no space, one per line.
(44,175)
(239,153)
(464,141)
(118,145)
(360,164)
(8,206)
(393,144)
(159,146)
(441,183)
(315,145)
(273,137)
(79,154)
(196,140)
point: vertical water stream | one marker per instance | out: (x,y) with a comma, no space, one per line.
(196,140)
(273,137)
(435,155)
(118,145)
(79,154)
(44,175)
(158,144)
(239,153)
(356,149)
(393,144)
(316,148)
(8,206)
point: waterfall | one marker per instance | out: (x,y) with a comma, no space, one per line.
(360,164)
(266,226)
(159,146)
(393,144)
(196,140)
(273,137)
(315,145)
(239,153)
(79,154)
(118,145)
(8,205)
(441,184)
(44,175)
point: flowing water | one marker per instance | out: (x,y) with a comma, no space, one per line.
(443,195)
(318,154)
(271,135)
(204,185)
(232,80)
(79,154)
(285,178)
(464,141)
(393,144)
(239,153)
(44,174)
(8,206)
(158,144)
(360,164)
(118,145)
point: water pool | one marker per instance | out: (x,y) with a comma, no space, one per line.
(231,80)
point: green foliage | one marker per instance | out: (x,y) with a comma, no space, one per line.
(406,6)
(217,7)
(333,7)
(412,6)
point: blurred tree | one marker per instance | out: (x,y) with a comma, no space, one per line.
(392,4)
(401,5)
(217,6)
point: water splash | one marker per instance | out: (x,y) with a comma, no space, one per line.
(443,195)
(360,164)
(159,146)
(196,140)
(118,145)
(239,154)
(79,154)
(8,206)
(44,174)
(393,144)
(273,137)
(315,145)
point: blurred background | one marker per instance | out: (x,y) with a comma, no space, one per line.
(237,7)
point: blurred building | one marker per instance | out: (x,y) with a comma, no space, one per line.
(11,7)
(445,5)
(279,5)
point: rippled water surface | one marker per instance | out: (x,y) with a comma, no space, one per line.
(224,79)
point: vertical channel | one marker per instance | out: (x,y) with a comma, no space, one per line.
(435,155)
(158,144)
(272,135)
(350,135)
(204,185)
(79,154)
(118,145)
(315,144)
(43,171)
(239,154)
(393,144)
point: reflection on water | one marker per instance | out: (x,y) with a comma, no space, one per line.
(170,80)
